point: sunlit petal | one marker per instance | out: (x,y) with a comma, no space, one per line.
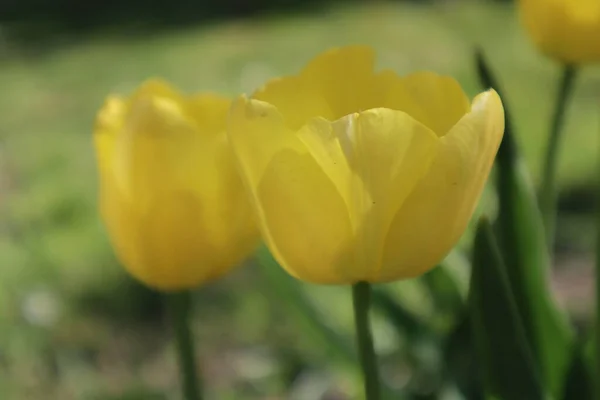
(436,214)
(301,214)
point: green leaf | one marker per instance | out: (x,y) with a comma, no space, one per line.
(523,246)
(444,284)
(579,378)
(406,323)
(305,314)
(507,363)
(444,288)
(308,317)
(590,360)
(460,363)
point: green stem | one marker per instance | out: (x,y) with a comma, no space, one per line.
(361,300)
(180,306)
(548,193)
(596,367)
(596,345)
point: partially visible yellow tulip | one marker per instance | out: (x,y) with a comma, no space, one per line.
(170,195)
(363,176)
(566,30)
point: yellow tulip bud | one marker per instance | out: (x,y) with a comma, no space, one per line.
(170,196)
(363,176)
(566,30)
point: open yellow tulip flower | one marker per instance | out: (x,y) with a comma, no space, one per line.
(363,176)
(170,194)
(566,30)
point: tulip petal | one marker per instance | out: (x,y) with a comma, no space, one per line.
(345,77)
(121,219)
(302,216)
(148,144)
(540,19)
(436,213)
(584,11)
(332,148)
(158,149)
(184,262)
(395,152)
(434,100)
(170,194)
(209,111)
(228,216)
(159,139)
(564,29)
(375,159)
(296,100)
(335,83)
(109,121)
(172,246)
(156,88)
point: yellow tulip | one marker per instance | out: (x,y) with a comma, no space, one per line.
(566,30)
(170,195)
(363,176)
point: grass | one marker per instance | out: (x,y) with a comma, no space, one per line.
(51,240)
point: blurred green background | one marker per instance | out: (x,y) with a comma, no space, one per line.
(73,325)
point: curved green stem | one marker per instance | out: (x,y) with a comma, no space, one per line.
(361,300)
(179,307)
(548,192)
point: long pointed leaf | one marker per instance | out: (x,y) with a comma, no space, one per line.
(579,379)
(522,242)
(507,362)
(460,362)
